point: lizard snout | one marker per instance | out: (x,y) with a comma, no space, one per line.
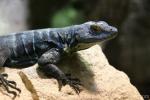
(113,29)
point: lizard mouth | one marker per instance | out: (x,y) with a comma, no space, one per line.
(99,38)
(112,33)
(105,36)
(108,36)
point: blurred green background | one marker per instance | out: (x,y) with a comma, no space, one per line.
(129,52)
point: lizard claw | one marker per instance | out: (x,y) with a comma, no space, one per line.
(74,83)
(5,75)
(7,83)
(59,85)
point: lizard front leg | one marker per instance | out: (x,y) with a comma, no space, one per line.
(47,65)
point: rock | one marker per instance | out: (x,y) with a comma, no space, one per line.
(101,80)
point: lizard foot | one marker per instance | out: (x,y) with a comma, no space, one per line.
(75,83)
(7,83)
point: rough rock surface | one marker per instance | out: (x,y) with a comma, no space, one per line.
(101,80)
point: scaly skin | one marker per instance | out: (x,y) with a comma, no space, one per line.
(47,46)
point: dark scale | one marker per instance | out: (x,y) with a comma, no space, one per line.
(24,53)
(43,41)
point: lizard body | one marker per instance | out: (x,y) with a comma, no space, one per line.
(47,46)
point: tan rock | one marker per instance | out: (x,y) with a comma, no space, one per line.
(101,80)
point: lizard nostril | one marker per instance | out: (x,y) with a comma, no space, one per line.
(113,29)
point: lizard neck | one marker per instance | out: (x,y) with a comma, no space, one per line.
(68,40)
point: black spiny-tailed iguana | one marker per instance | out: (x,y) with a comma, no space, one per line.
(47,46)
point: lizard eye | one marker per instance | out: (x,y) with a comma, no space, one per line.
(96,28)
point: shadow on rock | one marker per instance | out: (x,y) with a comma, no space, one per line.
(78,68)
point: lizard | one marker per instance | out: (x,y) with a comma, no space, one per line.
(47,46)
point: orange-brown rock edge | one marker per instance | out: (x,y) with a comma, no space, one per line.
(101,81)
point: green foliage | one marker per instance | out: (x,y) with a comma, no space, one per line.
(66,16)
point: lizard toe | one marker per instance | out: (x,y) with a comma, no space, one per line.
(74,83)
(7,83)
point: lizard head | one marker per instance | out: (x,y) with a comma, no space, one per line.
(90,33)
